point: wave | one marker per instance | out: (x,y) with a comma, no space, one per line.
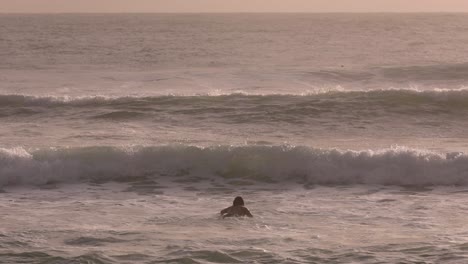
(59,100)
(254,164)
(396,101)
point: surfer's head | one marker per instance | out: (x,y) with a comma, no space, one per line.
(238,201)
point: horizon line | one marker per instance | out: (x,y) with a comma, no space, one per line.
(243,12)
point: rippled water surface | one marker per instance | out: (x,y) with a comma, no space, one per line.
(152,222)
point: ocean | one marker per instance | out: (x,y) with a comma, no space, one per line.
(122,137)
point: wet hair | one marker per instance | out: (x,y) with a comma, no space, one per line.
(238,201)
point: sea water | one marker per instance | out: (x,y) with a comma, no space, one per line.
(124,135)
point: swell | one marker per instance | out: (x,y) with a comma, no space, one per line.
(253,164)
(428,74)
(242,106)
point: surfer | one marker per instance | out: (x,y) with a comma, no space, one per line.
(237,209)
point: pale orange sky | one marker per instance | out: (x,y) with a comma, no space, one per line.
(41,6)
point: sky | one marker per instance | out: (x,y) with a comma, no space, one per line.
(99,6)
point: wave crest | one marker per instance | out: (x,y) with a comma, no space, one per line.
(258,164)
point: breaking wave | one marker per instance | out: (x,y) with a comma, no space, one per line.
(256,164)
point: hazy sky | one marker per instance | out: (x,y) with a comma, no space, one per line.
(26,6)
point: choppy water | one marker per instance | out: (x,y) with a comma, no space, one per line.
(122,136)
